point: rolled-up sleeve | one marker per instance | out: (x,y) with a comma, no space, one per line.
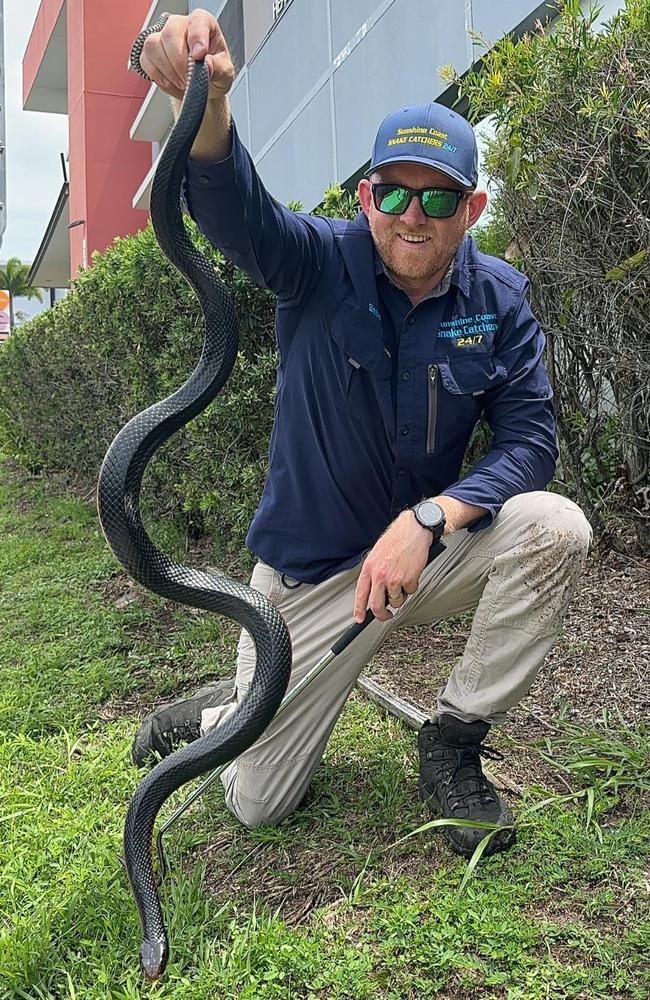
(520,414)
(279,249)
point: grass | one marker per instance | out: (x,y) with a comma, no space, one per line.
(328,904)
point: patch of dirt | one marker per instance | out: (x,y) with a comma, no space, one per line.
(600,662)
(164,621)
(313,859)
(454,990)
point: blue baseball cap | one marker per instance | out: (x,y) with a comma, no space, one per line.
(431,134)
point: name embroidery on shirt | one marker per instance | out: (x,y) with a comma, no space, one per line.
(374,310)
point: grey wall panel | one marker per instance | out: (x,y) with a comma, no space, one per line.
(299,168)
(396,62)
(347,18)
(382,74)
(494,20)
(239,107)
(258,18)
(293,58)
(231,22)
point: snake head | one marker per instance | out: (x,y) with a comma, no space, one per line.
(154,955)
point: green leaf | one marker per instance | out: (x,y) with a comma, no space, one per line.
(565,308)
(590,806)
(629,264)
(478,854)
(513,164)
(448,822)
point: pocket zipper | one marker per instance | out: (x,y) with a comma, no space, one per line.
(432,384)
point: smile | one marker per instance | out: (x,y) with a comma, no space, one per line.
(414,239)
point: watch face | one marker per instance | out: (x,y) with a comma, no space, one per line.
(430,513)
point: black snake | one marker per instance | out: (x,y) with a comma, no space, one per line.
(118,494)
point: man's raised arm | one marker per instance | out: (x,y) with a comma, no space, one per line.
(279,249)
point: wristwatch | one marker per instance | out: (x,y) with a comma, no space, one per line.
(430,515)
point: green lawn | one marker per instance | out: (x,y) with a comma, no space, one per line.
(327,905)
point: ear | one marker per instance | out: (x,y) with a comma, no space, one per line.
(477,202)
(364,193)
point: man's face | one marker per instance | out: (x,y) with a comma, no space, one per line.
(412,246)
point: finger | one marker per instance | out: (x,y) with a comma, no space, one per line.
(361,595)
(396,598)
(203,33)
(152,60)
(173,58)
(377,602)
(155,74)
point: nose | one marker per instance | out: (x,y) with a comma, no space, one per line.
(414,214)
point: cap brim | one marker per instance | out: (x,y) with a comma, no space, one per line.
(444,168)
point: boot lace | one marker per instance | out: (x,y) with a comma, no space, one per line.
(467,785)
(459,771)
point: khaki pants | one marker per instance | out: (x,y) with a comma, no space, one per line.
(519,574)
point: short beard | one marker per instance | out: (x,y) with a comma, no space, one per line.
(437,258)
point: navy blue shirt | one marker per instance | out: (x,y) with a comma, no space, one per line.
(376,399)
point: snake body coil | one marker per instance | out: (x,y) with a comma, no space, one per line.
(117,499)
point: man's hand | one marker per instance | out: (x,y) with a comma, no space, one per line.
(165,54)
(392,567)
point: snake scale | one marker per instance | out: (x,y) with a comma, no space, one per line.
(118,495)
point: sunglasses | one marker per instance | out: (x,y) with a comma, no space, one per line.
(436,203)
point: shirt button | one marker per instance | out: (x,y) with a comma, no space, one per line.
(411,321)
(401,473)
(406,376)
(404,431)
(204,179)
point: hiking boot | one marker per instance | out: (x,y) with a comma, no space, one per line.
(454,787)
(164,730)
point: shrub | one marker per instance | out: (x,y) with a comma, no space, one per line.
(571,160)
(127,335)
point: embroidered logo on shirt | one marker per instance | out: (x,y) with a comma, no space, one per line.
(467,330)
(374,310)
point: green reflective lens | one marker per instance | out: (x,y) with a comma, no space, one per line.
(439,204)
(396,201)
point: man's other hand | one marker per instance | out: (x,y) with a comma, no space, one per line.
(391,570)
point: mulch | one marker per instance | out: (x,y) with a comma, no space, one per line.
(600,663)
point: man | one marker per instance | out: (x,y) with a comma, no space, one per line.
(394,335)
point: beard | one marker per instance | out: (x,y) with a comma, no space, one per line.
(420,262)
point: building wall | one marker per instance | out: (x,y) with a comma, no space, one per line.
(74,63)
(103,99)
(320,77)
(258,18)
(231,22)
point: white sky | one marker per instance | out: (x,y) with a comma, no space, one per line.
(34,141)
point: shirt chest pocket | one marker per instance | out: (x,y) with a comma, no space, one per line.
(364,366)
(455,395)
